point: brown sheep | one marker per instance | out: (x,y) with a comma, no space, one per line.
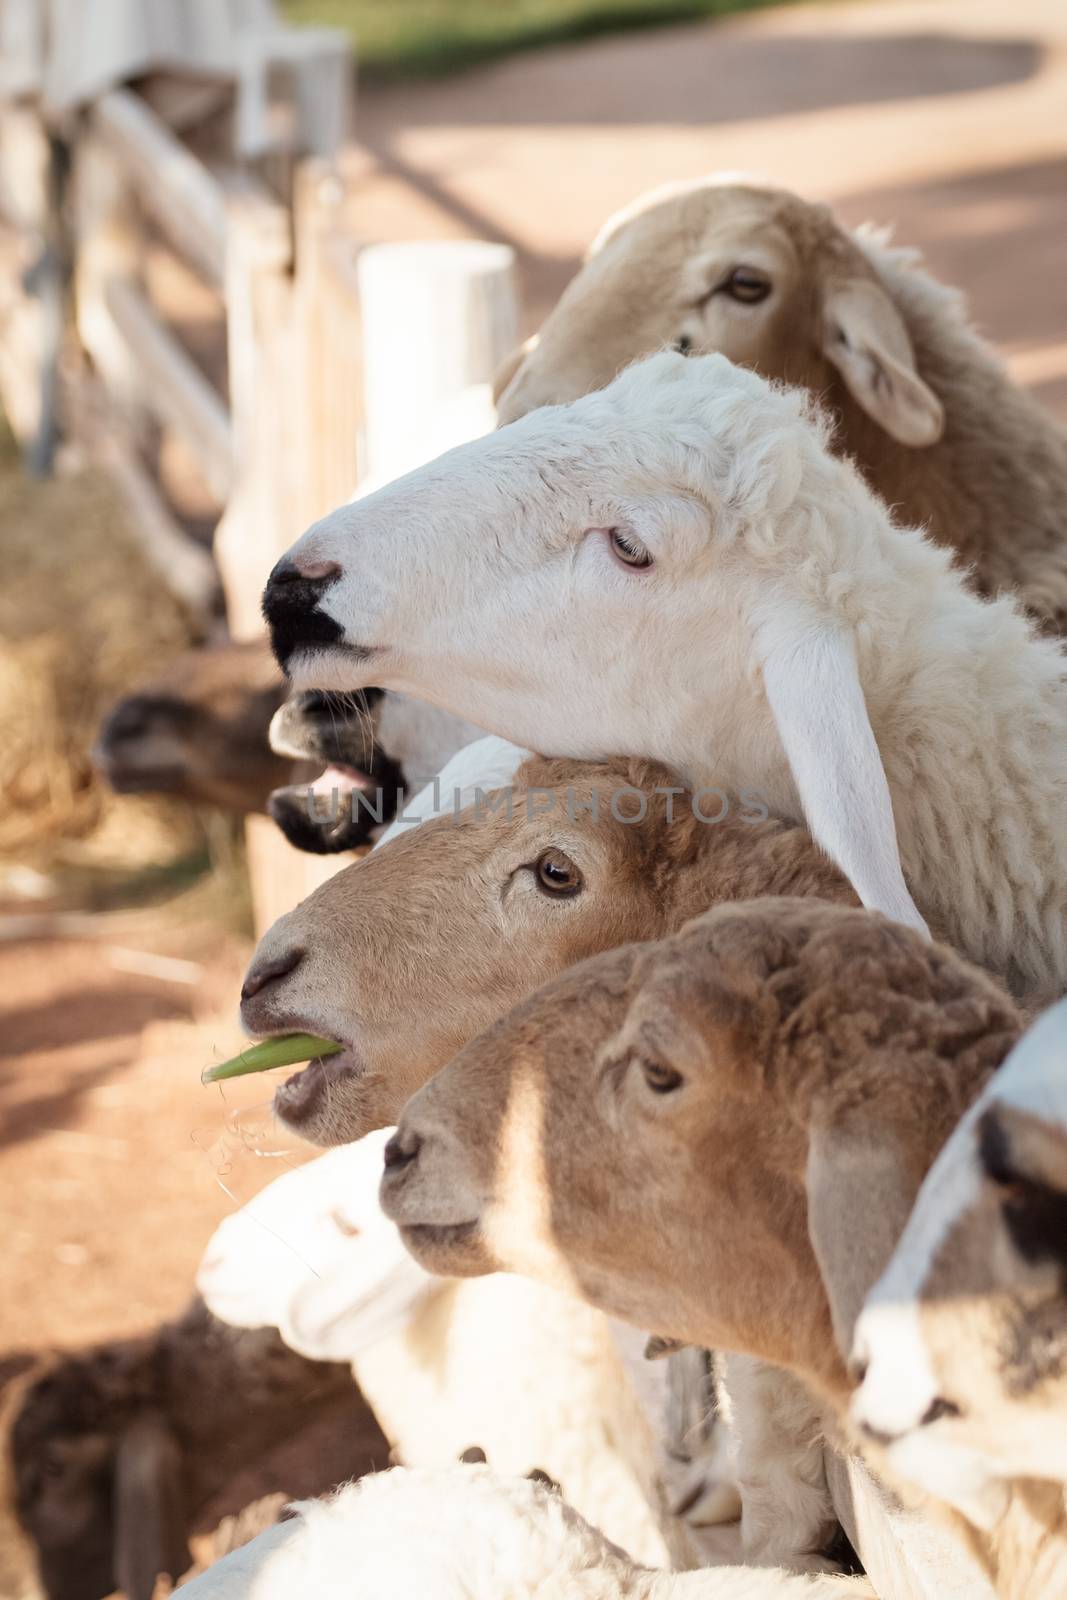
(199,730)
(407,954)
(765,1090)
(775,282)
(108,1454)
(217,729)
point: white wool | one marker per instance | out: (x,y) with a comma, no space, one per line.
(527,1373)
(477,769)
(464,1533)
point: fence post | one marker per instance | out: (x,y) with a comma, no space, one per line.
(437,320)
(330,342)
(259,520)
(443,317)
(28,345)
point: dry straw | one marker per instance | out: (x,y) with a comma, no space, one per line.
(83,620)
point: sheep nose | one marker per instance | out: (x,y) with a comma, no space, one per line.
(401,1150)
(259,975)
(288,571)
(291,606)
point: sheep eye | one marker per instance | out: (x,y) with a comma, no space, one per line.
(938,1408)
(630,551)
(661,1079)
(747,286)
(557,875)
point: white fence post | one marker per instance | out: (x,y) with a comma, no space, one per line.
(437,321)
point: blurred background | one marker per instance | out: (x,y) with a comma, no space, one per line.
(187,191)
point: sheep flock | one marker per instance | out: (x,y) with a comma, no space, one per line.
(694,1217)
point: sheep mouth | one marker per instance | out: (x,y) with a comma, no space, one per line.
(338,811)
(314,726)
(440,1232)
(454,1249)
(305,1096)
(328,665)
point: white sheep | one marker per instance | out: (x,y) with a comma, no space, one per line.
(676,566)
(464,1533)
(528,1374)
(960,1344)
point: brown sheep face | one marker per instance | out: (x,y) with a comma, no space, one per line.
(409,953)
(760,275)
(601,1138)
(683,1133)
(199,731)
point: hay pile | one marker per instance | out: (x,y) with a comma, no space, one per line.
(83,619)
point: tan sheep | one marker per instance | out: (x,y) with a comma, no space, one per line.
(773,281)
(720,1136)
(408,953)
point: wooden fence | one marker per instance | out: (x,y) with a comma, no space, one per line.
(339,362)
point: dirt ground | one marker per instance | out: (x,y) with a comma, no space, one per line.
(944,117)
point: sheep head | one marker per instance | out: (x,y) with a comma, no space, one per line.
(673,567)
(573,551)
(406,955)
(718,1137)
(961,1344)
(199,730)
(768,279)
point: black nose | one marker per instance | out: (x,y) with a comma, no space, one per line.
(260,975)
(286,571)
(401,1150)
(290,606)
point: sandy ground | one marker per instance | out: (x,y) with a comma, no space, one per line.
(945,117)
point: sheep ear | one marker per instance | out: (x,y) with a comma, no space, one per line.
(861,1190)
(813,688)
(149,1508)
(865,338)
(509,367)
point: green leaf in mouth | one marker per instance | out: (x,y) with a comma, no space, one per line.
(286,1051)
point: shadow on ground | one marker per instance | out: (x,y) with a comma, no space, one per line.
(692,75)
